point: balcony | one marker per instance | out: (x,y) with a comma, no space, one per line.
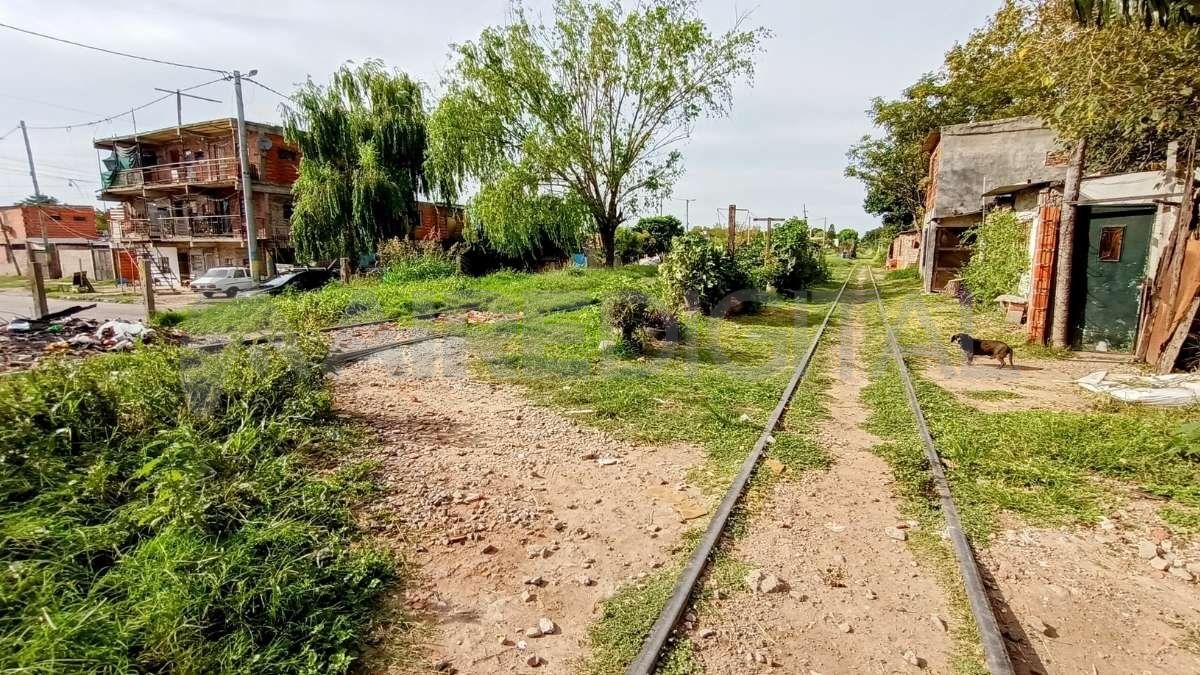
(202,172)
(184,228)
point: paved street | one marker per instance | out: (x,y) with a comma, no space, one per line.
(14,304)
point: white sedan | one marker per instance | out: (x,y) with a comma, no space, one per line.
(228,281)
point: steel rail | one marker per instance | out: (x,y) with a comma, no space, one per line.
(995,652)
(660,633)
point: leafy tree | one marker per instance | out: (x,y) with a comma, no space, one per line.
(830,236)
(38,200)
(588,107)
(699,274)
(847,236)
(362,144)
(1149,13)
(659,230)
(986,77)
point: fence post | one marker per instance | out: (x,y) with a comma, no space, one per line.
(37,284)
(148,287)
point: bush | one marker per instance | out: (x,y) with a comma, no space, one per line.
(1001,256)
(631,246)
(657,233)
(405,261)
(159,516)
(632,316)
(698,275)
(626,311)
(798,261)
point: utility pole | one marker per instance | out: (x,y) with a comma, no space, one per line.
(37,192)
(247,188)
(687,214)
(179,105)
(769,221)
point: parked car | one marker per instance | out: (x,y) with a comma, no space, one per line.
(228,281)
(296,279)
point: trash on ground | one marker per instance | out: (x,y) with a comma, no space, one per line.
(1179,389)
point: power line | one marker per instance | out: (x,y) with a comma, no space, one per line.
(111,51)
(124,112)
(279,94)
(10,132)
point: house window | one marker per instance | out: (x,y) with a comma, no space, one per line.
(286,155)
(79,219)
(1110,243)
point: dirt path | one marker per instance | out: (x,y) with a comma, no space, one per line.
(858,602)
(511,512)
(1086,601)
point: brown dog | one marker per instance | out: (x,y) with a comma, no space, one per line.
(993,348)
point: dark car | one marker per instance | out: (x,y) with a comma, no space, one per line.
(300,279)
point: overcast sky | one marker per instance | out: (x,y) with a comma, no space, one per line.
(782,148)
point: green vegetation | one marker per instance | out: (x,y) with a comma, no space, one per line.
(362,145)
(699,275)
(581,112)
(404,261)
(1034,58)
(371,298)
(625,622)
(1001,256)
(1041,465)
(167,511)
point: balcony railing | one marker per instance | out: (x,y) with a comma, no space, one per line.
(199,171)
(185,227)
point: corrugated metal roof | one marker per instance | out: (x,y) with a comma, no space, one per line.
(167,134)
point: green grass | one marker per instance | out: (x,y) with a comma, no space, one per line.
(7,281)
(927,320)
(1048,467)
(373,298)
(171,512)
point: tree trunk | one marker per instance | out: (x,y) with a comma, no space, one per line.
(608,239)
(1060,326)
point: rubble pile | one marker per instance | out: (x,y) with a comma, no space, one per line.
(24,342)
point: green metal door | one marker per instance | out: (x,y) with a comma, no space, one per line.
(1110,262)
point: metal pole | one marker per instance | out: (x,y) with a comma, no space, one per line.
(247,188)
(178,113)
(37,192)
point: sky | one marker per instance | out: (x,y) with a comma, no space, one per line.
(781,151)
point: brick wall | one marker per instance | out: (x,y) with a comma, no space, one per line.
(61,222)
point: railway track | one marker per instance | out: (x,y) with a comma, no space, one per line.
(995,651)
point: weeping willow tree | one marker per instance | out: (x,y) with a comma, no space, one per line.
(568,127)
(362,143)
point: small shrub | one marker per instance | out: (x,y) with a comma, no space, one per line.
(1001,256)
(697,274)
(631,246)
(626,311)
(405,261)
(168,319)
(798,262)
